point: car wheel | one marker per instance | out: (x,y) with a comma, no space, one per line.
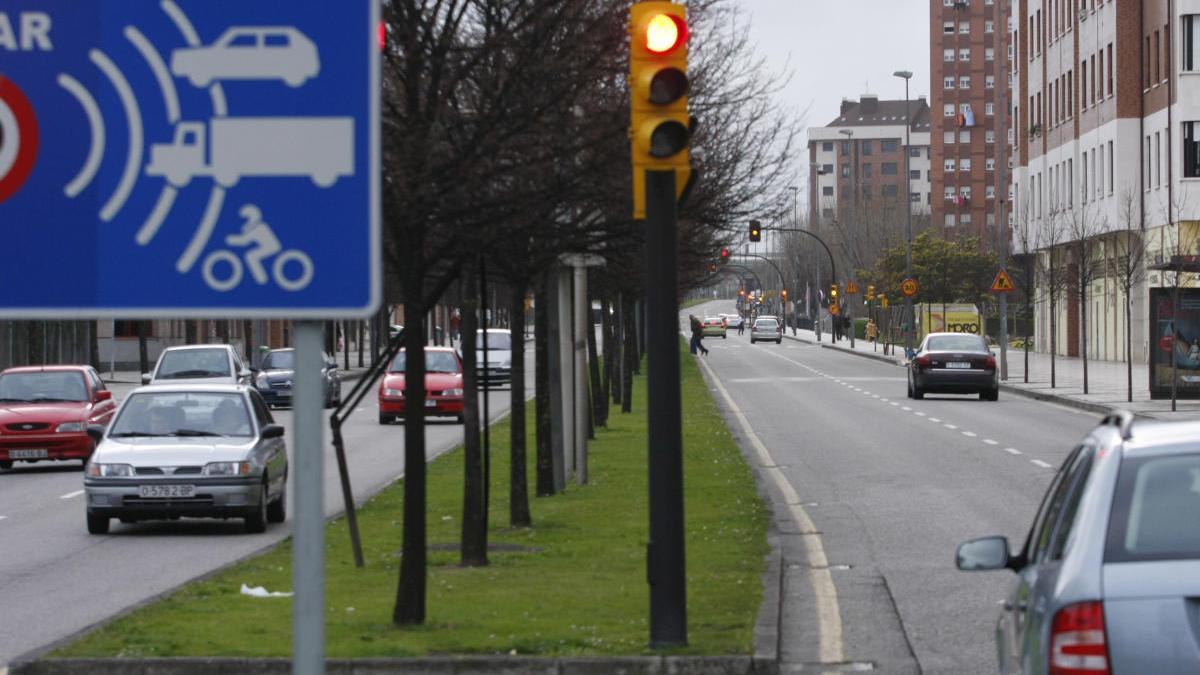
(917,393)
(277,510)
(384,419)
(97,524)
(256,520)
(5,465)
(460,418)
(723,336)
(908,388)
(779,341)
(990,395)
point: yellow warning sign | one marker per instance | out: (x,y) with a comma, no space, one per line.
(1003,283)
(909,287)
(852,288)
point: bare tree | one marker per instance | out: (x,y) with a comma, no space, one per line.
(1126,265)
(1084,225)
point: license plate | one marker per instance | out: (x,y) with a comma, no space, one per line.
(430,403)
(166,491)
(40,453)
(957,364)
(283,393)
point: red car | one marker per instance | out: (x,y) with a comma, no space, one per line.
(45,412)
(443,386)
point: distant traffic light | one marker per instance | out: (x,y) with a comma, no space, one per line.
(783,294)
(870,291)
(724,255)
(660,128)
(742,292)
(755,231)
(833,291)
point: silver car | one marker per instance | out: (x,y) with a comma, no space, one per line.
(187,364)
(766,328)
(1108,580)
(210,451)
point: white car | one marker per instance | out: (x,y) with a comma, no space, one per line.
(198,364)
(497,366)
(250,53)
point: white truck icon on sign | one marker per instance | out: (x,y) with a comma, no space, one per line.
(321,148)
(250,53)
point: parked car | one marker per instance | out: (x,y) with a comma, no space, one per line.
(1109,575)
(45,412)
(732,320)
(714,326)
(766,328)
(443,386)
(208,451)
(275,378)
(954,363)
(198,364)
(496,368)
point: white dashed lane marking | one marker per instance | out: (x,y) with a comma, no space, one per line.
(970,434)
(1012,451)
(69,495)
(990,441)
(1038,462)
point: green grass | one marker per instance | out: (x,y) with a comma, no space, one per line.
(578,588)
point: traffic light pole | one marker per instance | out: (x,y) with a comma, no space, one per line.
(665,568)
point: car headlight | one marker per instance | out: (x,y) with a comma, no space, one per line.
(70,426)
(110,470)
(452,392)
(261,381)
(227,469)
(393,393)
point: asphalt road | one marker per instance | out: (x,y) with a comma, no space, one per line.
(893,486)
(56,579)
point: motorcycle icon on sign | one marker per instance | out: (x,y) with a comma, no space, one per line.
(250,53)
(261,243)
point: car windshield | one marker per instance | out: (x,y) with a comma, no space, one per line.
(1154,510)
(764,323)
(435,362)
(496,341)
(43,386)
(956,343)
(185,363)
(183,414)
(280,361)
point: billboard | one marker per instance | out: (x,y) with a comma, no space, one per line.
(1175,338)
(935,317)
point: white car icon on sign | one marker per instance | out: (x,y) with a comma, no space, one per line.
(250,53)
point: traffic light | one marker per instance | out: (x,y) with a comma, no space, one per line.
(741,292)
(724,255)
(660,128)
(833,292)
(755,231)
(870,291)
(783,294)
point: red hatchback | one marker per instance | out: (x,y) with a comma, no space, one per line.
(443,386)
(45,412)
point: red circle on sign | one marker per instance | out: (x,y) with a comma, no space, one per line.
(26,134)
(1166,342)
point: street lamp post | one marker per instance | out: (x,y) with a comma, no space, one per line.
(908,314)
(849,133)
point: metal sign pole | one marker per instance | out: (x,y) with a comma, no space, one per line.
(308,553)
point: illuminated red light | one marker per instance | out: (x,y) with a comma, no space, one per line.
(664,33)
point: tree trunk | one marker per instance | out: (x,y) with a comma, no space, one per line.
(541,375)
(518,491)
(474,519)
(606,348)
(143,327)
(1128,347)
(93,344)
(1083,330)
(410,590)
(599,400)
(631,357)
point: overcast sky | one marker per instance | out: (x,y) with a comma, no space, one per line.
(841,48)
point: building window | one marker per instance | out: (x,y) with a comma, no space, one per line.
(948,27)
(989,81)
(914,152)
(867,170)
(989,108)
(989,54)
(890,190)
(827,146)
(845,171)
(991,219)
(914,174)
(949,220)
(989,164)
(845,192)
(1191,40)
(947,110)
(827,214)
(990,192)
(964,27)
(889,169)
(948,82)
(964,135)
(1110,167)
(989,26)
(827,191)
(130,329)
(1191,149)
(964,82)
(964,219)
(964,164)
(948,193)
(965,192)
(948,137)
(1110,69)
(989,136)
(845,148)
(889,145)
(866,147)
(949,165)
(948,55)
(827,169)
(964,54)
(914,197)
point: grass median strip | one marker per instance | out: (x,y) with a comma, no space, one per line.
(573,584)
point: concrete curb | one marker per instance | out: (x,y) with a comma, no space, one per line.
(854,352)
(436,665)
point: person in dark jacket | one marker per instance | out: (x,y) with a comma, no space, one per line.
(697,335)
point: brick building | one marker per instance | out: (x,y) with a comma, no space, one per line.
(967,57)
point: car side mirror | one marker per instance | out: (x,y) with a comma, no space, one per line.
(145,378)
(95,432)
(103,395)
(986,553)
(272,431)
(244,373)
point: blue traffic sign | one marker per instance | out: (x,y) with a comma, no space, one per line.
(167,158)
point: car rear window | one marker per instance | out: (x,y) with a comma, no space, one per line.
(956,343)
(765,323)
(185,363)
(1156,510)
(280,361)
(498,341)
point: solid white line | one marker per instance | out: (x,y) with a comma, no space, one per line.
(970,434)
(1012,451)
(990,441)
(829,617)
(71,494)
(96,123)
(134,117)
(1040,463)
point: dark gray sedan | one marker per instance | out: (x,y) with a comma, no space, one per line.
(953,363)
(276,375)
(1108,580)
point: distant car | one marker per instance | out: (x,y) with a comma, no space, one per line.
(443,386)
(198,364)
(250,53)
(766,328)
(206,451)
(276,377)
(714,326)
(1108,579)
(45,412)
(497,366)
(953,363)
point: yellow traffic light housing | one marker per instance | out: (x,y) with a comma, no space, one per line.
(833,291)
(870,291)
(755,231)
(659,128)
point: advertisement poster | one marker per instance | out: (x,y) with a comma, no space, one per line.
(1175,335)
(935,317)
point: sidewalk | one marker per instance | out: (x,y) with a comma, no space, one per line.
(1107,380)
